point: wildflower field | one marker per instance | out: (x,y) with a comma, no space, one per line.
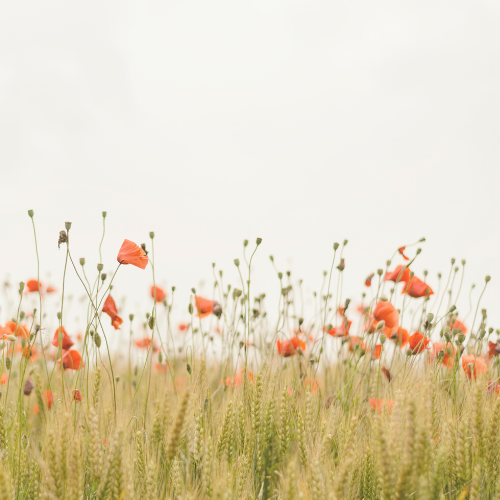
(390,394)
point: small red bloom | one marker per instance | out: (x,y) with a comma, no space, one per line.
(418,343)
(378,404)
(377,351)
(478,365)
(4,379)
(17,329)
(400,336)
(354,342)
(109,308)
(368,280)
(183,327)
(458,325)
(417,288)
(401,250)
(67,341)
(77,395)
(48,398)
(289,348)
(130,253)
(447,358)
(400,274)
(72,360)
(312,383)
(385,311)
(204,306)
(161,295)
(342,330)
(51,289)
(33,286)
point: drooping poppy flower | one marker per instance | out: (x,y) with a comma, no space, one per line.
(401,251)
(416,288)
(76,395)
(289,348)
(109,307)
(72,360)
(478,365)
(385,311)
(400,274)
(161,295)
(379,404)
(400,336)
(48,398)
(206,307)
(4,379)
(17,329)
(418,343)
(67,341)
(340,331)
(449,353)
(494,349)
(312,384)
(33,286)
(368,280)
(386,372)
(458,325)
(130,253)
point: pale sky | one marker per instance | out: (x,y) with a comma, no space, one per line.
(302,123)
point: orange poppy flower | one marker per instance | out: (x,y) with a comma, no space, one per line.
(33,286)
(417,288)
(109,307)
(385,311)
(458,325)
(478,365)
(48,398)
(340,331)
(77,395)
(4,379)
(377,351)
(183,327)
(130,253)
(355,341)
(494,349)
(289,348)
(378,404)
(368,280)
(17,329)
(35,410)
(401,251)
(72,360)
(204,306)
(447,358)
(400,274)
(159,367)
(67,341)
(29,352)
(418,343)
(400,336)
(51,289)
(161,295)
(492,386)
(312,383)
(238,379)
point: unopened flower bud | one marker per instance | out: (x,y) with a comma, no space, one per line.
(271,258)
(335,246)
(82,261)
(97,339)
(258,241)
(345,242)
(461,338)
(383,298)
(151,234)
(487,278)
(190,308)
(104,214)
(341,266)
(430,317)
(237,262)
(452,308)
(21,287)
(67,225)
(382,338)
(380,272)
(59,315)
(380,325)
(8,363)
(280,275)
(419,250)
(188,368)
(447,336)
(31,213)
(100,267)
(245,243)
(131,317)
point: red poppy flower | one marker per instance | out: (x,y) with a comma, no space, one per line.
(400,336)
(109,308)
(354,342)
(29,352)
(145,343)
(72,360)
(238,379)
(378,404)
(494,349)
(458,325)
(418,343)
(51,289)
(447,358)
(130,253)
(417,288)
(204,306)
(183,327)
(4,379)
(17,329)
(161,295)
(159,367)
(401,250)
(400,274)
(77,395)
(67,341)
(377,351)
(368,280)
(478,365)
(48,398)
(340,331)
(312,384)
(289,348)
(33,286)
(492,386)
(385,311)
(35,410)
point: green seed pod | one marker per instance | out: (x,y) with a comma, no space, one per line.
(151,322)
(188,368)
(190,308)
(8,363)
(31,213)
(97,339)
(82,261)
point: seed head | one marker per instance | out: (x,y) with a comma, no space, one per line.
(67,225)
(82,261)
(31,213)
(258,241)
(237,262)
(104,214)
(335,246)
(100,267)
(63,238)
(151,234)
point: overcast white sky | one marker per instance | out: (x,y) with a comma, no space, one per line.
(303,123)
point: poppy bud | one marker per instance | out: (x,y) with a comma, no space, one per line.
(131,317)
(345,242)
(383,298)
(452,308)
(449,351)
(335,246)
(151,234)
(31,213)
(461,338)
(82,261)
(301,320)
(12,338)
(439,275)
(237,262)
(447,336)
(341,266)
(67,225)
(312,361)
(8,363)
(487,278)
(440,354)
(97,339)
(409,352)
(190,308)
(482,333)
(471,366)
(271,258)
(100,267)
(258,241)
(117,379)
(418,251)
(21,315)
(426,272)
(188,368)
(104,214)
(217,309)
(21,287)
(387,263)
(280,275)
(382,338)
(151,322)
(173,289)
(456,269)
(245,243)
(380,272)
(380,325)
(59,315)
(430,317)
(103,276)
